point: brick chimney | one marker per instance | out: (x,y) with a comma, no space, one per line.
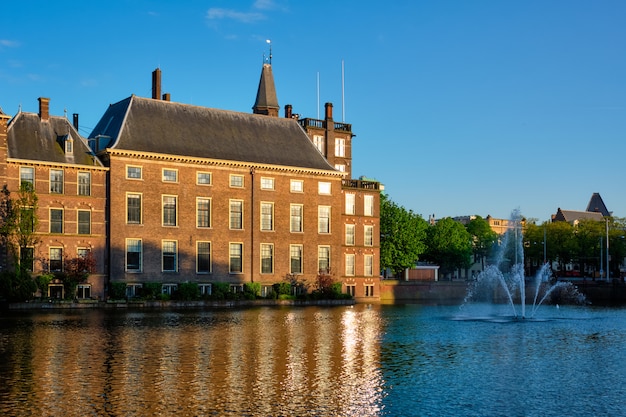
(166,97)
(44,108)
(329,111)
(156,84)
(288,111)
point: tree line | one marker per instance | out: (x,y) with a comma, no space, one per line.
(407,238)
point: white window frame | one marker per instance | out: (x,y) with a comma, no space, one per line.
(267,216)
(83,188)
(138,243)
(324,188)
(368,235)
(318,141)
(368,205)
(340,147)
(267,183)
(350,262)
(169,175)
(140,208)
(134,172)
(296,186)
(323,219)
(78,222)
(238,248)
(350,234)
(296,220)
(170,254)
(210,260)
(27,178)
(167,210)
(57,182)
(350,203)
(62,224)
(323,250)
(59,250)
(204,174)
(267,253)
(231,213)
(236,181)
(209,211)
(293,251)
(368,265)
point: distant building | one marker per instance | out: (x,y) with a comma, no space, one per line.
(596,210)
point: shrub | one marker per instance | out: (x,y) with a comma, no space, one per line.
(151,290)
(117,290)
(251,290)
(220,291)
(187,291)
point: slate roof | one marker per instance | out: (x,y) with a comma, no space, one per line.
(596,204)
(30,138)
(165,127)
(266,97)
(572,216)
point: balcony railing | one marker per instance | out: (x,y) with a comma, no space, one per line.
(321,124)
(360,184)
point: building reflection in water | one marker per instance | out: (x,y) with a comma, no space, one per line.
(257,361)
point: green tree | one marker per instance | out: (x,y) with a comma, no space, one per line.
(483,238)
(18,225)
(561,243)
(449,245)
(402,236)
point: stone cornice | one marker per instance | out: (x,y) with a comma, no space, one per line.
(56,164)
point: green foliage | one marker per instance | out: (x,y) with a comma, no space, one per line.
(402,236)
(151,290)
(251,290)
(220,291)
(483,237)
(188,291)
(449,245)
(117,290)
(282,288)
(16,286)
(42,281)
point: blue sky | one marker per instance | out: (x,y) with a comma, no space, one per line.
(460,107)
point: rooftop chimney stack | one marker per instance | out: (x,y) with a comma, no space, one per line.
(329,111)
(166,97)
(156,84)
(75,120)
(44,108)
(288,111)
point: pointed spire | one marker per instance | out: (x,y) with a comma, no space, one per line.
(266,101)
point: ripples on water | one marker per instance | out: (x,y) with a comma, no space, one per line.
(314,361)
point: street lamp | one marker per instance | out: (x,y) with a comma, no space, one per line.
(608,272)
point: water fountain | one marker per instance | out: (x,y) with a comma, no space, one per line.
(505,281)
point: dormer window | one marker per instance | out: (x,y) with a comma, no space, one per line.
(69,145)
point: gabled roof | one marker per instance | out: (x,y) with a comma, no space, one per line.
(30,138)
(165,127)
(596,204)
(572,216)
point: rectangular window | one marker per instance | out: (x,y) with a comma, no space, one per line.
(27,258)
(351,290)
(56,259)
(83,252)
(323,259)
(205,289)
(267,183)
(236,214)
(236,258)
(203,212)
(368,209)
(295,254)
(169,210)
(169,289)
(323,219)
(83,291)
(27,175)
(133,172)
(203,257)
(170,175)
(84,222)
(350,203)
(267,258)
(84,183)
(369,236)
(133,255)
(236,181)
(340,147)
(56,221)
(350,264)
(204,178)
(318,141)
(267,216)
(133,208)
(368,265)
(56,181)
(69,146)
(296,211)
(350,234)
(340,167)
(323,188)
(296,186)
(369,290)
(170,256)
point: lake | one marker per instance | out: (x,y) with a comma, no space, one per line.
(362,360)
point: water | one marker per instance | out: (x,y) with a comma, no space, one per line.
(316,361)
(506,274)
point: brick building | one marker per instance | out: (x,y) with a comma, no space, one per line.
(70,183)
(205,195)
(174,193)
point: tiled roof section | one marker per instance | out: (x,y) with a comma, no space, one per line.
(266,97)
(571,216)
(147,125)
(596,204)
(30,138)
